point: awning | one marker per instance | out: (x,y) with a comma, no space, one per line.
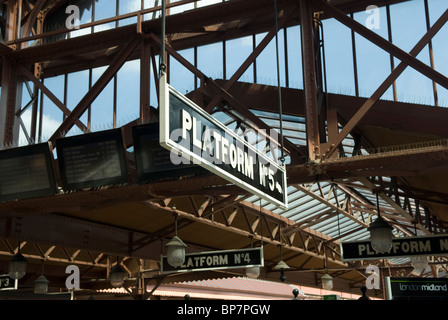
(236,288)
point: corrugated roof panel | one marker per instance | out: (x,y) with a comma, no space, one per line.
(304,208)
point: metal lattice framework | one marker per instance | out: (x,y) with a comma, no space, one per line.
(341,150)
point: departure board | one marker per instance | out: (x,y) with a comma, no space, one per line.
(92,160)
(155,163)
(26,172)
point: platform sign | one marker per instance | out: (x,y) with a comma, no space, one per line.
(194,136)
(401,247)
(416,288)
(6,283)
(214,260)
(153,161)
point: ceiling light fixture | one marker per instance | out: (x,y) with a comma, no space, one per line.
(175,248)
(17,265)
(117,275)
(380,232)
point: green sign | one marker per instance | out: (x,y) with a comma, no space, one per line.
(417,289)
(332,297)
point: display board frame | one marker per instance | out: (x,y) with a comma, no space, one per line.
(32,154)
(114,138)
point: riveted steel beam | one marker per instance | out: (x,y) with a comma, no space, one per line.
(126,50)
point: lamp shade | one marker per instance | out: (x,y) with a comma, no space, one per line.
(380,235)
(253,272)
(41,285)
(327,282)
(17,266)
(419,262)
(281,266)
(175,250)
(117,275)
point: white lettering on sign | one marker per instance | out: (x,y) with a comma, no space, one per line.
(220,149)
(206,261)
(5,281)
(414,246)
(193,136)
(423,287)
(443,244)
(242,257)
(367,249)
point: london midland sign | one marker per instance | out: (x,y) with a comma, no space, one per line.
(194,136)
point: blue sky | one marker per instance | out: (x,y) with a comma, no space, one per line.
(408,26)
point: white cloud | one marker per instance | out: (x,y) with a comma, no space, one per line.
(49,126)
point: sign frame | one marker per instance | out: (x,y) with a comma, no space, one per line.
(168,143)
(167,269)
(397,242)
(114,135)
(147,147)
(8,287)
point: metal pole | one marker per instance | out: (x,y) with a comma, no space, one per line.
(309,77)
(431,54)
(282,157)
(163,49)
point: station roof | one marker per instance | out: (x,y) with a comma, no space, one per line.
(403,154)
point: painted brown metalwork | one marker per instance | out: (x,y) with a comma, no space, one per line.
(325,172)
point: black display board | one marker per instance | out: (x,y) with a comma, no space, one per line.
(26,172)
(154,162)
(92,160)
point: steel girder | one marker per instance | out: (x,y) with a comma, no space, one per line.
(26,57)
